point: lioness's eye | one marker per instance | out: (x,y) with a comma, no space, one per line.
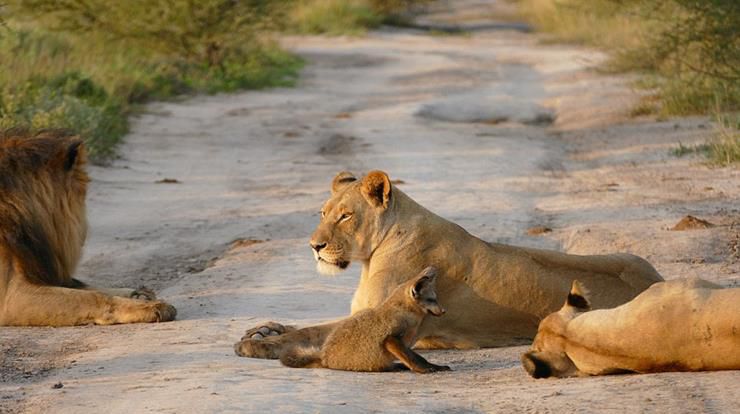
(322,213)
(345,216)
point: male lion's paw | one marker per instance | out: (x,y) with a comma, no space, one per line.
(266,329)
(143,293)
(164,312)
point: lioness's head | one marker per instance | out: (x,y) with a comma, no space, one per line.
(352,220)
(547,357)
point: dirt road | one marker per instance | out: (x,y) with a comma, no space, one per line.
(489,128)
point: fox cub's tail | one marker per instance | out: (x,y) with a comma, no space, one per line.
(301,357)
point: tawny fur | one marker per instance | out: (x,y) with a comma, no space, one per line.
(43,226)
(495,294)
(358,343)
(679,325)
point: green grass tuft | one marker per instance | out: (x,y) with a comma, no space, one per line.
(724,147)
(689,50)
(333,17)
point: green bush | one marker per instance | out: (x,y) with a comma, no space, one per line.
(82,64)
(342,17)
(332,17)
(689,48)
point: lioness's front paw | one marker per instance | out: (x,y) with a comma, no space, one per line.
(143,293)
(258,349)
(266,329)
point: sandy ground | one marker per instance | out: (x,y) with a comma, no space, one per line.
(227,244)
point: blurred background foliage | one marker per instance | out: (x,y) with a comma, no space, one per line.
(85,64)
(687,52)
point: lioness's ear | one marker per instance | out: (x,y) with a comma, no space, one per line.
(376,188)
(342,179)
(577,298)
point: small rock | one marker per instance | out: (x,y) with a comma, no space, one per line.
(538,230)
(167,181)
(57,386)
(691,223)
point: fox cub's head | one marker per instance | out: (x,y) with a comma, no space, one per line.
(422,292)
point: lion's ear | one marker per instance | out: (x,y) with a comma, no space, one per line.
(342,179)
(72,154)
(376,188)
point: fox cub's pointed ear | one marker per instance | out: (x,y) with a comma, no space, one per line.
(578,297)
(423,291)
(341,180)
(424,282)
(376,188)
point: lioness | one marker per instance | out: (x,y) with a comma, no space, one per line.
(494,294)
(679,325)
(42,229)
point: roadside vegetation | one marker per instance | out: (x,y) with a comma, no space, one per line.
(344,17)
(85,65)
(687,51)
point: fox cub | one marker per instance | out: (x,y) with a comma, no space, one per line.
(373,339)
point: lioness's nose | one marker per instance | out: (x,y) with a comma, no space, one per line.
(318,246)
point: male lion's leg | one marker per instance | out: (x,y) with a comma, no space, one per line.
(32,305)
(268,340)
(142,292)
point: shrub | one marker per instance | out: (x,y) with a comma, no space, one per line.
(692,46)
(82,64)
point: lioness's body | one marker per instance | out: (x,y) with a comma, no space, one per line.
(679,325)
(42,230)
(494,294)
(372,339)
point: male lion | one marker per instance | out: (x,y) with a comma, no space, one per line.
(494,294)
(42,229)
(679,325)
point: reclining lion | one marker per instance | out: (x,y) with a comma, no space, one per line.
(494,294)
(679,325)
(42,230)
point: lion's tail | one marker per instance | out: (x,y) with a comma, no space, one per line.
(301,357)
